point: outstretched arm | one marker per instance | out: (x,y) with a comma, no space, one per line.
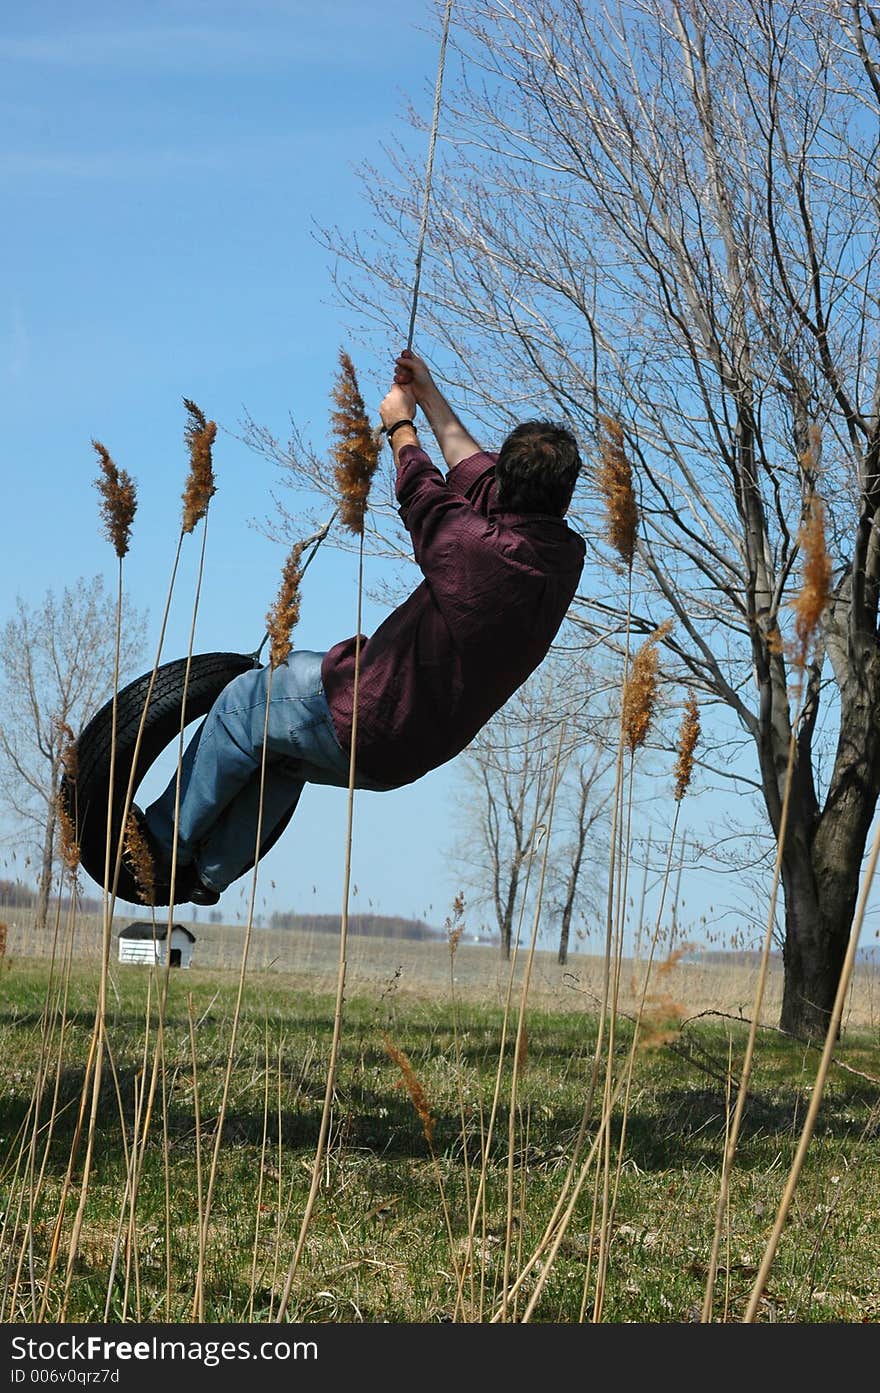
(455,442)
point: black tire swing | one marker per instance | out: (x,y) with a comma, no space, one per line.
(175,692)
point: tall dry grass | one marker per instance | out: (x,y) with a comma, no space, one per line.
(597,1149)
(356,455)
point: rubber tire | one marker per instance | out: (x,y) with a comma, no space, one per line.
(86,799)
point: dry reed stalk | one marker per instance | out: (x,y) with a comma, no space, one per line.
(332,1065)
(615,481)
(281,621)
(689,732)
(559,1209)
(554,1232)
(166,1164)
(198,1304)
(93,1080)
(263,1153)
(479,1206)
(281,1211)
(637,713)
(197,1122)
(50,1017)
(356,449)
(525,1132)
(418,1096)
(519,1053)
(808,606)
(419,1100)
(818,1088)
(727,1229)
(455,927)
(745,1075)
(67,1182)
(127,1157)
(145,1100)
(118,505)
(199,436)
(356,454)
(130,1154)
(140,854)
(635,726)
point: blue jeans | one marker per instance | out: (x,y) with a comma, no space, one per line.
(221,768)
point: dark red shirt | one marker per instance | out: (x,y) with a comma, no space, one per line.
(496,589)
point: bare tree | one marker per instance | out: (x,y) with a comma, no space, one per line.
(666,212)
(56,670)
(583,840)
(507,783)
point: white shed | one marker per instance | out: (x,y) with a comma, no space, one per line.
(146,944)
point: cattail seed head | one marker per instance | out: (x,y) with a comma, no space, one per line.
(68,751)
(140,859)
(810,457)
(640,690)
(356,451)
(815,589)
(455,923)
(199,436)
(663,1014)
(688,735)
(616,486)
(283,616)
(118,500)
(67,842)
(413,1087)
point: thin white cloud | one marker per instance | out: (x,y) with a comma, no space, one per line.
(179,47)
(279,155)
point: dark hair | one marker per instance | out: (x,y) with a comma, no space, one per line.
(537,468)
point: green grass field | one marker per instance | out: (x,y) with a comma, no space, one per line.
(403,1230)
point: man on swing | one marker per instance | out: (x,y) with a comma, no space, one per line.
(500,568)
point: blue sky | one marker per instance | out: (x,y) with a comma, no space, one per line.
(165,168)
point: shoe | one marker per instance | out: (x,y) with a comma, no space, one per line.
(190,888)
(188,885)
(199,892)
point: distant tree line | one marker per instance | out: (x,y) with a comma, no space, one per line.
(14,894)
(377,925)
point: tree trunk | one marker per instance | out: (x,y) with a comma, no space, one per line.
(821,870)
(506,926)
(565,930)
(815,946)
(41,912)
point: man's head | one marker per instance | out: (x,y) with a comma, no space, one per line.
(537,469)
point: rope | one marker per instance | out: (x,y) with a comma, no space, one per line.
(429,170)
(420,251)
